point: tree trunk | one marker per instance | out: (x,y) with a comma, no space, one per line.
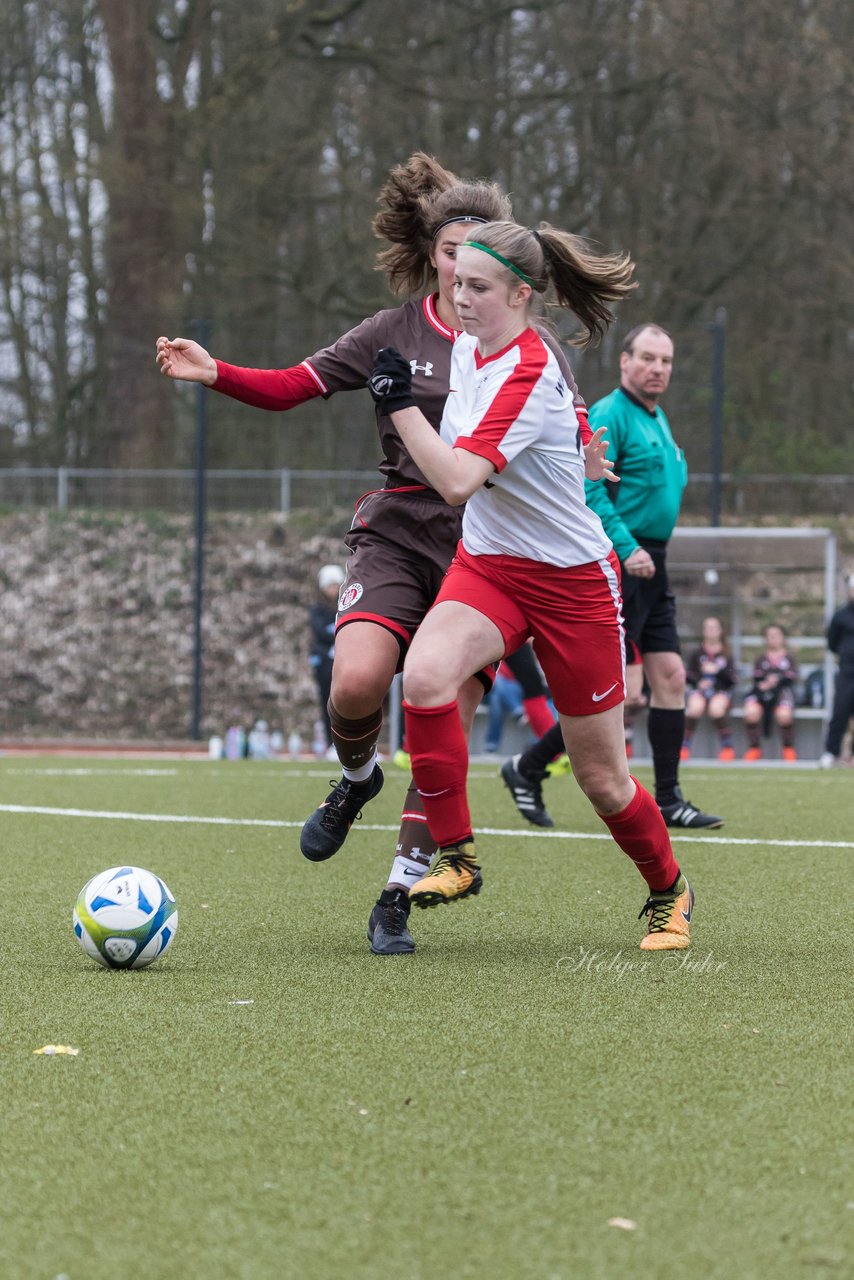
(144,256)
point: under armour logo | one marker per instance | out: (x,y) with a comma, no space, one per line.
(426,369)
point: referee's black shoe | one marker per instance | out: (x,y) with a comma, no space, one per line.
(527,793)
(683,814)
(326,830)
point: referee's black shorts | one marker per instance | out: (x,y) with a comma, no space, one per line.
(649,609)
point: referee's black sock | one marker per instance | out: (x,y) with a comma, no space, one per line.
(666,732)
(534,762)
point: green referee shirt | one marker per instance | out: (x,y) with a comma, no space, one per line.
(652,471)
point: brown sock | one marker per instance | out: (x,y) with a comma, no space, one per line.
(414,841)
(415,845)
(355,740)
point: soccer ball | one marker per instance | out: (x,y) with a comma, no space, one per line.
(125,917)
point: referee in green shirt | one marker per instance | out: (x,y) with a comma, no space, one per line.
(639,515)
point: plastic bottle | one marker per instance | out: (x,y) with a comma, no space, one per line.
(294,744)
(259,741)
(235,743)
(215,747)
(318,741)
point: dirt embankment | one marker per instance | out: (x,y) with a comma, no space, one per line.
(96,622)
(97,625)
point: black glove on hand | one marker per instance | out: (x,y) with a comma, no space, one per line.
(390,382)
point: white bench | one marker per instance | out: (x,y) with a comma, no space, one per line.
(810,728)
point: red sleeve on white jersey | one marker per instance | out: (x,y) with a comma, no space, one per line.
(583,425)
(269,388)
(483,449)
(508,402)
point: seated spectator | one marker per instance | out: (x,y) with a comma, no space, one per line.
(710,677)
(772,696)
(505,699)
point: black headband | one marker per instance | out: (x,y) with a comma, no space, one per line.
(463,217)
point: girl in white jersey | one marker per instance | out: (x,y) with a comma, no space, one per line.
(533,560)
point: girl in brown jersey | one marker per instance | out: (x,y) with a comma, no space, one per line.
(404,535)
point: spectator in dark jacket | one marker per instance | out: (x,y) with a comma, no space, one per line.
(840,640)
(321,620)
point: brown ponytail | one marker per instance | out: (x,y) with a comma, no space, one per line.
(417,199)
(564,266)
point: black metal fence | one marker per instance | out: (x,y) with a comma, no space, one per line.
(743,498)
(75,488)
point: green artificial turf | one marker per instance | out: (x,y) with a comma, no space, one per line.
(269,1100)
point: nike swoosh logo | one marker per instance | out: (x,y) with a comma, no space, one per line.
(597,697)
(422,871)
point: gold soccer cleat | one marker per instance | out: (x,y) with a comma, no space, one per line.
(455,874)
(669,927)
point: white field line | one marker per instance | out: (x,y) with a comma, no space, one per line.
(92,773)
(281,824)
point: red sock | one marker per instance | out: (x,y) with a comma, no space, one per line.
(640,832)
(538,714)
(440,759)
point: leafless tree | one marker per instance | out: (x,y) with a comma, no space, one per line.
(164,161)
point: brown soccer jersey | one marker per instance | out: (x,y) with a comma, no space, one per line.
(414,330)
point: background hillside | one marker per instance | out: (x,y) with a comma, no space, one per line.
(97,624)
(96,621)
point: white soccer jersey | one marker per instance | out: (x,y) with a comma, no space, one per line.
(515,409)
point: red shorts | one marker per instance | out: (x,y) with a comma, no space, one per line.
(573,615)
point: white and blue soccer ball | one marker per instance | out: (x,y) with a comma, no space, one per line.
(125,918)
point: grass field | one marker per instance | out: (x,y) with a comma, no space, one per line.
(272,1101)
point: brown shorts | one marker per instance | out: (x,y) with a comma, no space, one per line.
(401,544)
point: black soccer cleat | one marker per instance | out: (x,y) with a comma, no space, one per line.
(388,924)
(683,814)
(527,794)
(326,830)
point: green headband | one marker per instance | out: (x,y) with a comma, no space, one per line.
(517,271)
